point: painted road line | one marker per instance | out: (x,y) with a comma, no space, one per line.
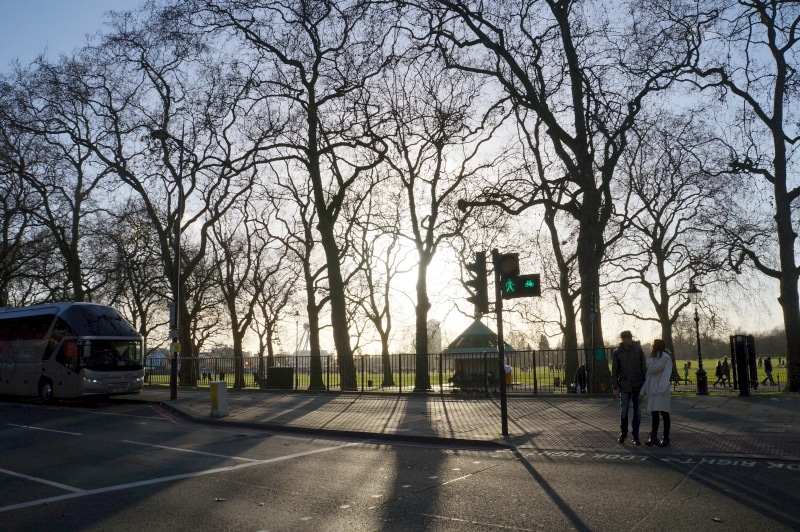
(171,478)
(46,430)
(182,450)
(42,481)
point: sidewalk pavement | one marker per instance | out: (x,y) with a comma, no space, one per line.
(762,426)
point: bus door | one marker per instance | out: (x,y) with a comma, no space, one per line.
(66,380)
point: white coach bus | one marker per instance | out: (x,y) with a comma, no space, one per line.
(68,350)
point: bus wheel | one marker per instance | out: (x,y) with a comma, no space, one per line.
(46,391)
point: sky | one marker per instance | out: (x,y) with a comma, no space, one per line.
(31,27)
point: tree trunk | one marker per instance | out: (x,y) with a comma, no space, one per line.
(422,381)
(317,383)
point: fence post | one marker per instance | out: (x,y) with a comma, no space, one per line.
(441,376)
(400,372)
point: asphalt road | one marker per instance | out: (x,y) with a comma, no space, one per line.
(114,466)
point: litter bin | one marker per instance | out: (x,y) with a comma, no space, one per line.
(280,378)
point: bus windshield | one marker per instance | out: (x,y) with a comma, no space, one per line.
(96,320)
(111,355)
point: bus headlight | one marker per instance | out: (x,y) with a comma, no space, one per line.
(90,380)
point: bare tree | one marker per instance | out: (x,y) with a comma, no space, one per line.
(751,58)
(18,203)
(380,257)
(437,134)
(668,214)
(255,278)
(320,55)
(585,75)
(67,176)
(138,287)
(175,126)
(292,207)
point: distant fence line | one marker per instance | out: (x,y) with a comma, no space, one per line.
(530,371)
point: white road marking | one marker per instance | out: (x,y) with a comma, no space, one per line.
(46,430)
(456,479)
(182,450)
(170,478)
(42,481)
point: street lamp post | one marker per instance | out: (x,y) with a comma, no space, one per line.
(174,320)
(702,379)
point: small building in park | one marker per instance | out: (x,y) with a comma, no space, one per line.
(472,358)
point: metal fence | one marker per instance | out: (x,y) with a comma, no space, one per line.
(526,372)
(529,372)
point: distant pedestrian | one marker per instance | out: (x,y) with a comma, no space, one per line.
(768,371)
(718,373)
(726,372)
(580,379)
(686,367)
(659,401)
(627,374)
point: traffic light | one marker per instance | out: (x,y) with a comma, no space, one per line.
(512,284)
(520,286)
(507,265)
(480,291)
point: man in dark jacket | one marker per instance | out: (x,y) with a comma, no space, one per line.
(628,370)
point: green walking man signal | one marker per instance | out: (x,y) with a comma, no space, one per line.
(521,286)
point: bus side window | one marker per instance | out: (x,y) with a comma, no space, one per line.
(60,330)
(68,355)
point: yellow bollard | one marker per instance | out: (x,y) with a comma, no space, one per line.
(219,399)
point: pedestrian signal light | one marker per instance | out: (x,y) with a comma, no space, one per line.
(521,286)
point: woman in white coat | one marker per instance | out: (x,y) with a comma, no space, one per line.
(657,388)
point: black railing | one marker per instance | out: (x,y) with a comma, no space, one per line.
(529,372)
(526,372)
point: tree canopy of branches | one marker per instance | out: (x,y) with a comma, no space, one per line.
(254,159)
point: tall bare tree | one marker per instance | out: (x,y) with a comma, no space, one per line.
(67,178)
(437,133)
(668,212)
(175,127)
(585,74)
(138,287)
(377,249)
(317,58)
(292,205)
(750,60)
(18,203)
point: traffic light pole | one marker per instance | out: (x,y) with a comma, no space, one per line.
(501,345)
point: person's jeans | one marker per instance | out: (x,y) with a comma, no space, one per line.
(625,400)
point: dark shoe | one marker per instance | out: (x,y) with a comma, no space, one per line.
(636,440)
(652,440)
(621,438)
(664,442)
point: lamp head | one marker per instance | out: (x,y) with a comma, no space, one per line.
(694,294)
